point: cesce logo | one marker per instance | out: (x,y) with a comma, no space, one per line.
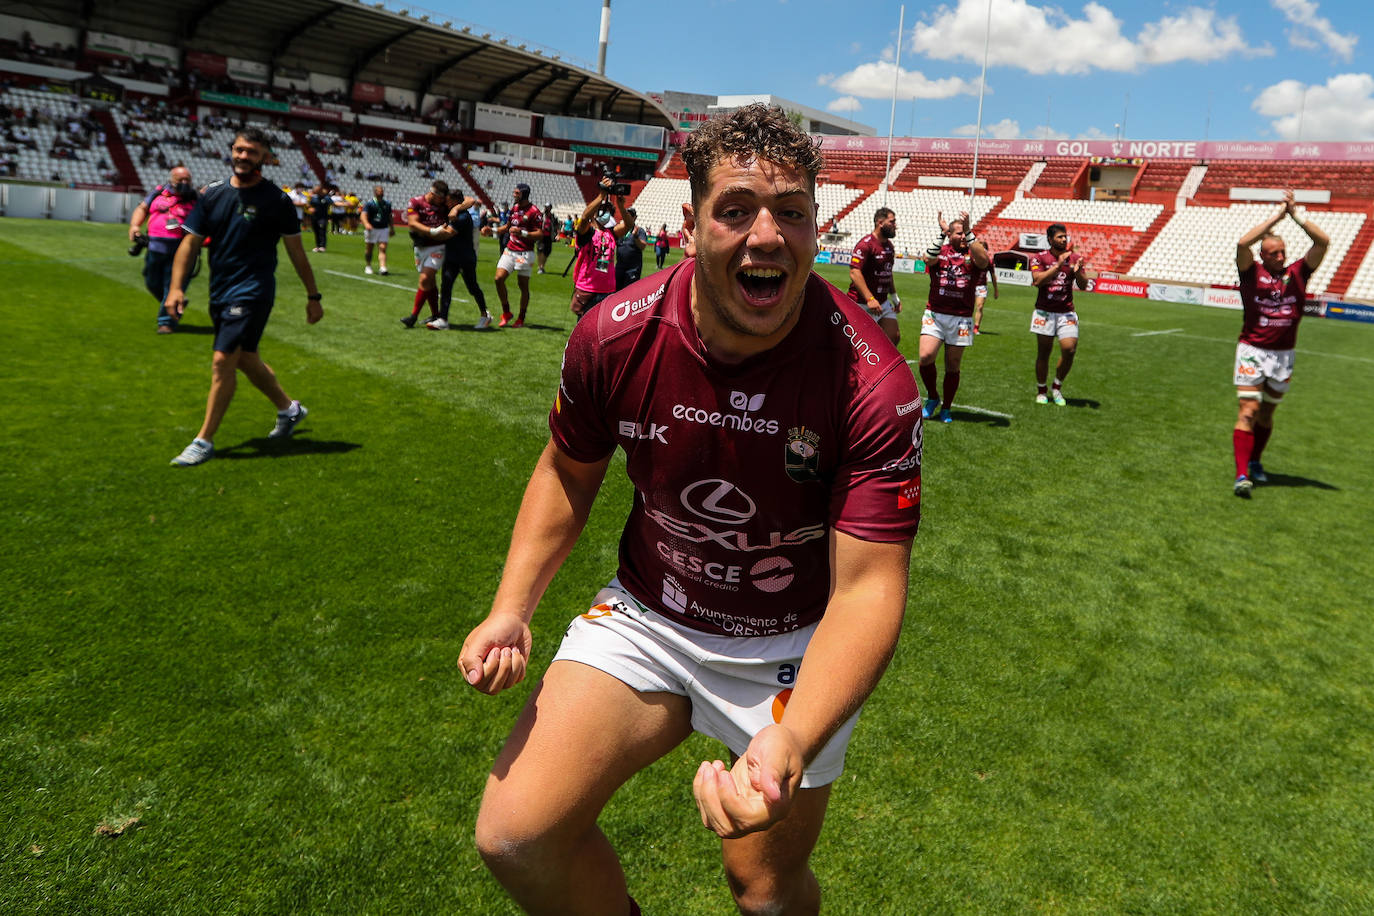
(718,500)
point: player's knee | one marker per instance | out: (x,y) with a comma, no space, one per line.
(764,893)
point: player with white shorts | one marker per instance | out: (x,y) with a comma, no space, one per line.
(736,687)
(520,263)
(1271,368)
(955,330)
(1054,324)
(429,257)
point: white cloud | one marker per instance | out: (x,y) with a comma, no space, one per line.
(875,80)
(845,103)
(1005,129)
(1045,39)
(1343,109)
(1303,15)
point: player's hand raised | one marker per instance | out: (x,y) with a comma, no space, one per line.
(496,652)
(756,792)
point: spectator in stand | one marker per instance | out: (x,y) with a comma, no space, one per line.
(318,207)
(545,246)
(661,246)
(629,252)
(594,263)
(1272,295)
(377,229)
(521,230)
(164,210)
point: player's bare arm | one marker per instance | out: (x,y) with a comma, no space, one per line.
(185,259)
(295,250)
(1244,256)
(555,507)
(1320,241)
(856,276)
(851,648)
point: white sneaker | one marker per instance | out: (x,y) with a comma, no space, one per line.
(437,324)
(286,422)
(198,452)
(368,270)
(483,323)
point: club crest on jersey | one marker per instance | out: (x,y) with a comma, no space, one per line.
(248,212)
(803,454)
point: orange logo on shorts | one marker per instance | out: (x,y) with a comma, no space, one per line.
(1247,371)
(1038,321)
(963,331)
(780,704)
(598,610)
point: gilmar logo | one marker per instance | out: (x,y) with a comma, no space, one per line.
(632,430)
(622,310)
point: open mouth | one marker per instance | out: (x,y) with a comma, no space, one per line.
(761,286)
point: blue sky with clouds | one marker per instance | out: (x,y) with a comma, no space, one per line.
(1188,70)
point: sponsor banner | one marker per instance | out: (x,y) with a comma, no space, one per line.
(248,71)
(822,257)
(108,45)
(318,114)
(411,127)
(907,266)
(216,65)
(1033,241)
(1006,275)
(1170,292)
(368,92)
(1349,311)
(1314,308)
(1221,297)
(1108,149)
(1122,287)
(244,101)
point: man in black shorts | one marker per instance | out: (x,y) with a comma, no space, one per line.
(544,247)
(245,215)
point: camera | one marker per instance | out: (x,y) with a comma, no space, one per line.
(617,188)
(140,243)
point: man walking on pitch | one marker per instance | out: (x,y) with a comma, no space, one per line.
(952,262)
(521,230)
(774,442)
(1271,296)
(376,229)
(245,215)
(164,210)
(1054,274)
(870,274)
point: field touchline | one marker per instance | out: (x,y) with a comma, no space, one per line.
(1153,333)
(340,273)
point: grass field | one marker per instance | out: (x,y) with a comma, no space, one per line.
(232,688)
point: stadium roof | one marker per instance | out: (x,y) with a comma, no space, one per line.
(361,41)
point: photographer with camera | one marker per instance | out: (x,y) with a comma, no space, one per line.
(164,210)
(596,238)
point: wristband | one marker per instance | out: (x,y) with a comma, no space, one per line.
(315,297)
(872,298)
(435,230)
(970,239)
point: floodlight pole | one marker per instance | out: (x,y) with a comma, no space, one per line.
(978,131)
(605,37)
(892,119)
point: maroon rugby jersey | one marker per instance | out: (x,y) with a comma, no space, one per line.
(1273,305)
(873,256)
(429,215)
(740,471)
(952,282)
(528,218)
(1056,295)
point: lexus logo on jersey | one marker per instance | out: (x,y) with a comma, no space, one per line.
(909,494)
(719,501)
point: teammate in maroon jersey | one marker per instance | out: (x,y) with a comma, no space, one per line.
(427,219)
(952,262)
(522,231)
(1054,274)
(982,281)
(773,437)
(1272,296)
(870,274)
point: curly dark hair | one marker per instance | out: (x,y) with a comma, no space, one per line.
(752,132)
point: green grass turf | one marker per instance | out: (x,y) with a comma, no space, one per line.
(1120,689)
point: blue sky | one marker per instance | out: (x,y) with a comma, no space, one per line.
(1188,70)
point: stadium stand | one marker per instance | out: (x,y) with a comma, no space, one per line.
(1190,247)
(1160,181)
(917,215)
(404,170)
(1343,280)
(1350,183)
(1084,212)
(661,202)
(51,138)
(160,141)
(1001,174)
(555,188)
(1060,178)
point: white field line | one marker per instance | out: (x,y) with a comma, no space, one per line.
(1153,333)
(367,279)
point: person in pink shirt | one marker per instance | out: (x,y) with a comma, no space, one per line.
(594,263)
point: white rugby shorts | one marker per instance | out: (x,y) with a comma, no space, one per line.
(888,311)
(980,291)
(954,330)
(737,685)
(429,257)
(516,262)
(1054,324)
(373,236)
(1257,366)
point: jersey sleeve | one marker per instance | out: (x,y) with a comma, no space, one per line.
(194,223)
(577,420)
(859,256)
(876,494)
(152,196)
